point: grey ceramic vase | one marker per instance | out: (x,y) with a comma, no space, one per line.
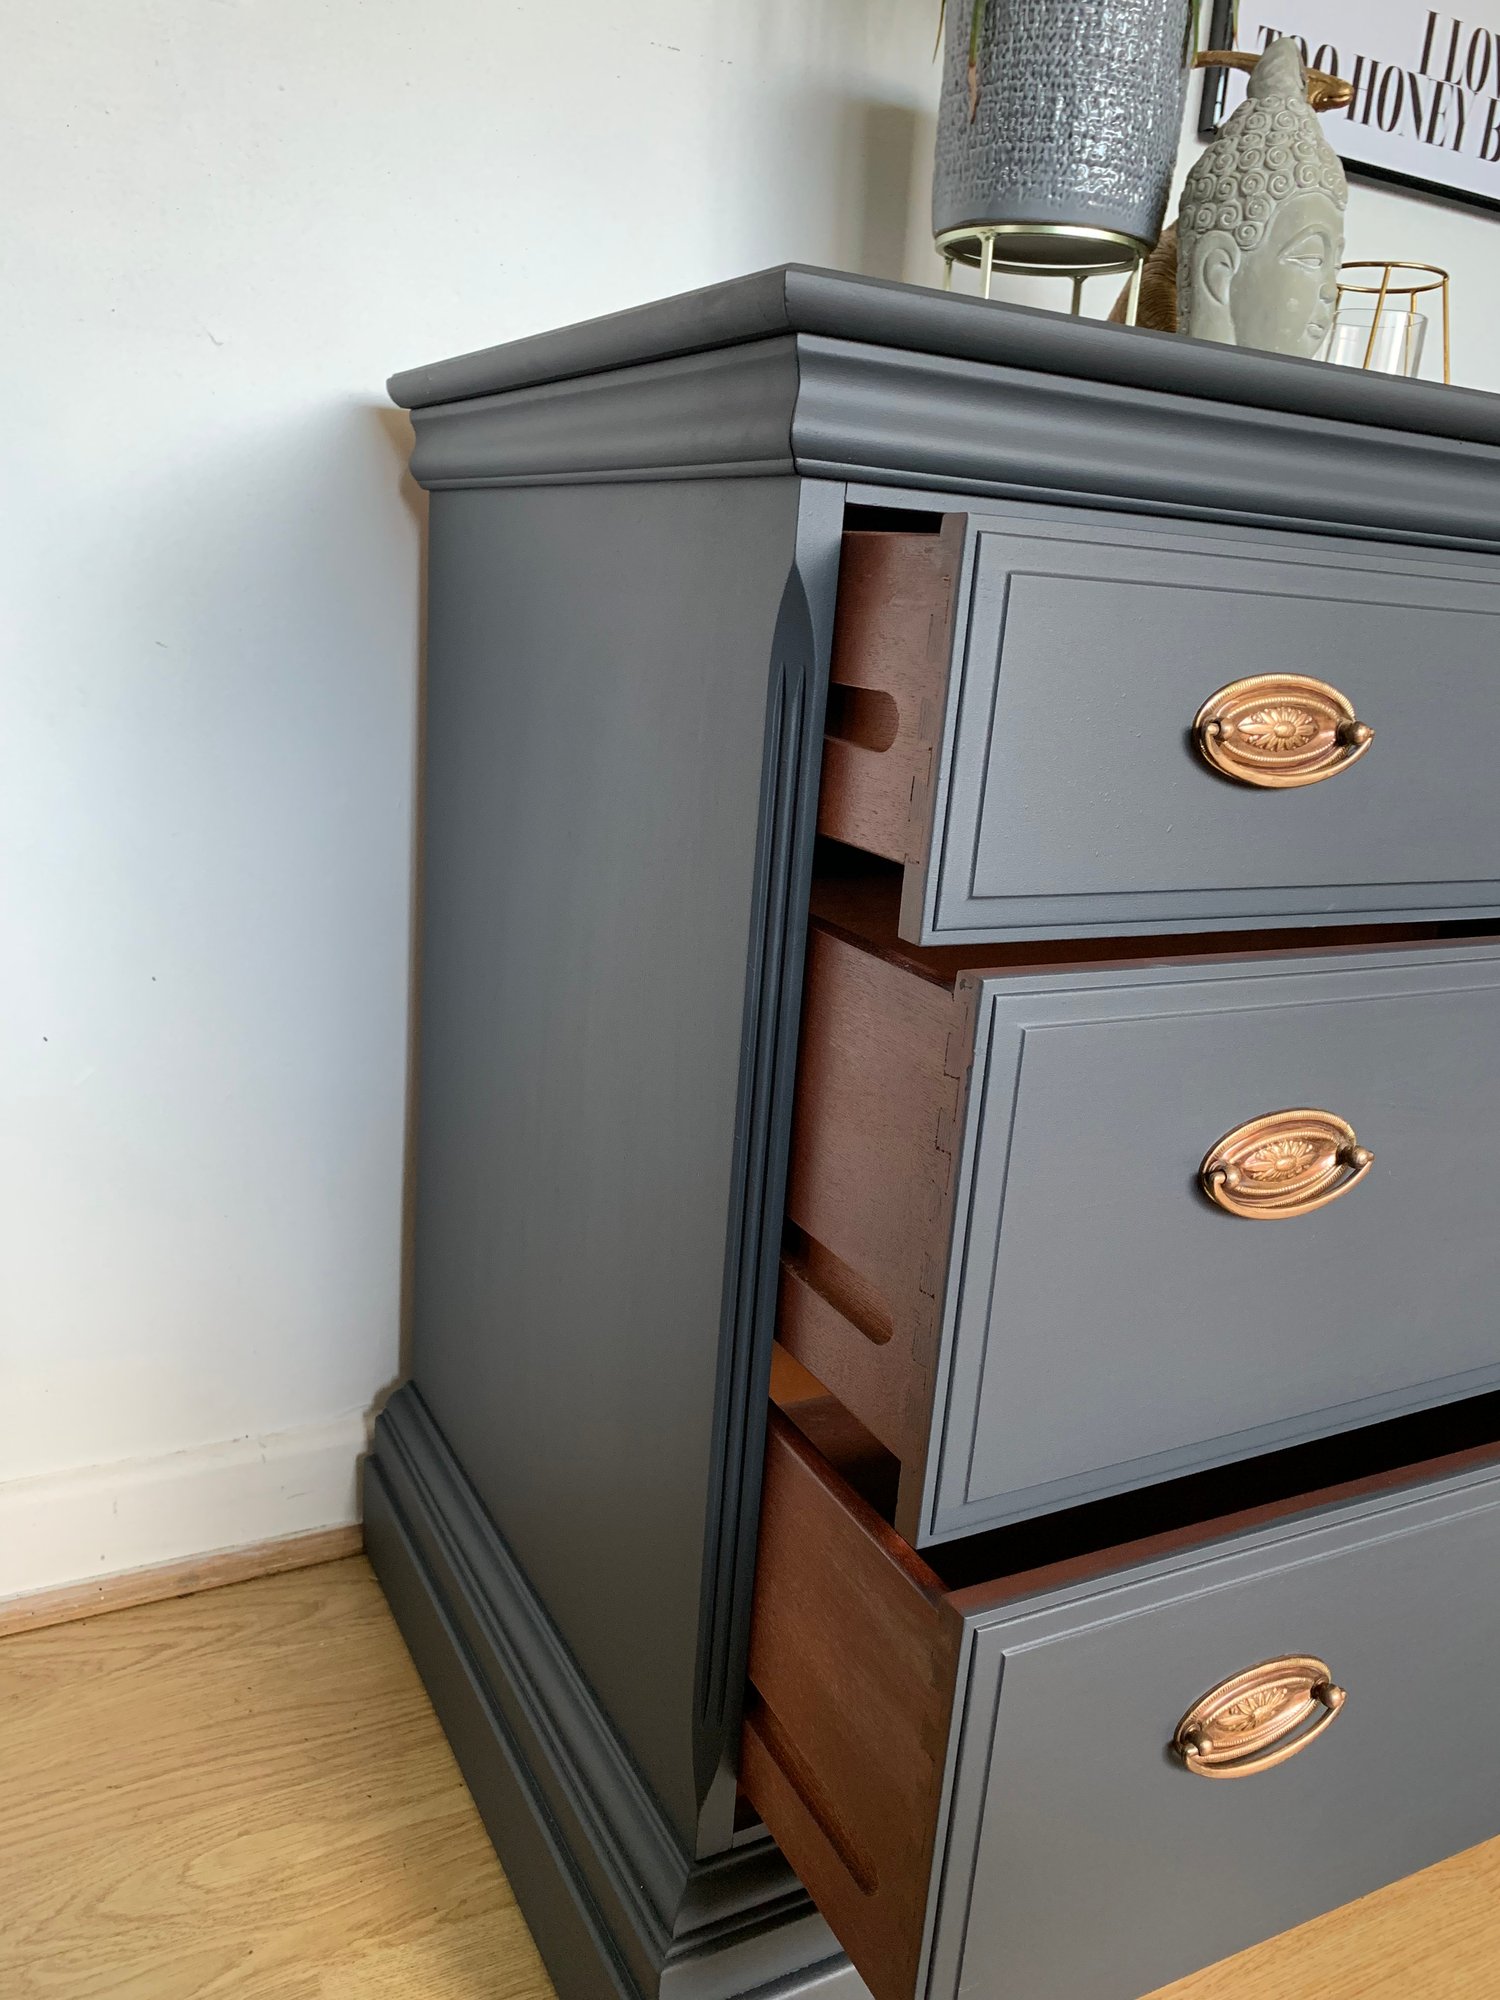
(1080,104)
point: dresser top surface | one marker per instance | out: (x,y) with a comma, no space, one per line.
(798,299)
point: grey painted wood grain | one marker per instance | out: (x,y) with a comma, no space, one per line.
(562,1915)
(631,593)
(1105,1325)
(1127,529)
(798,299)
(606,701)
(801,649)
(724,413)
(1070,798)
(864,412)
(1084,1863)
(618,1906)
(840,409)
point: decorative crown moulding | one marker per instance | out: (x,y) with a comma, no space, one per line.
(796,299)
(885,415)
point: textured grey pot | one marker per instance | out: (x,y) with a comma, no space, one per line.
(1079,111)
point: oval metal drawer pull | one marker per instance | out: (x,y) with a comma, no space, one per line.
(1259,1718)
(1279,731)
(1287,1163)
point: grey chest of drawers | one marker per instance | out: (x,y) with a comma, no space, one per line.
(964,840)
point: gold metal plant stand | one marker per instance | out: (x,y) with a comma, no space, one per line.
(1435,279)
(1045,250)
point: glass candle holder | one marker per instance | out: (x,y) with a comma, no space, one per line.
(1376,323)
(1388,342)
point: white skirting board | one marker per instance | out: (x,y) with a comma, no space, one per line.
(99,1520)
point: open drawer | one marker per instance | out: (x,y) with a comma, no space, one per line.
(1072,727)
(1009,1776)
(1009,1251)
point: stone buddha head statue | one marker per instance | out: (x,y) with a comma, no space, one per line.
(1261,228)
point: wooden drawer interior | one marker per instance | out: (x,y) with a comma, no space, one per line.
(856,1639)
(892,641)
(1012,714)
(881,1132)
(855,1732)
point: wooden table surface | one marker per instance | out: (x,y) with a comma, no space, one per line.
(245,1793)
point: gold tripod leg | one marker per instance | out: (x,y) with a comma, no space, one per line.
(1133,300)
(986,265)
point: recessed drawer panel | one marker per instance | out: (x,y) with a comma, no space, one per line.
(1056,1234)
(1070,732)
(1082,1781)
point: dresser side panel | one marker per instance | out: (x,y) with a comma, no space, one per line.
(599,670)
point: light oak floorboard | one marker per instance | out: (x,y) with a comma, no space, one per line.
(245,1795)
(1434,1936)
(239,1794)
(61,1606)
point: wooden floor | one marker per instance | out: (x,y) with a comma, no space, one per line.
(242,1793)
(245,1793)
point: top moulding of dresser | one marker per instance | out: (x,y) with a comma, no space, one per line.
(1012,712)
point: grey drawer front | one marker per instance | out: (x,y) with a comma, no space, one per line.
(1070,799)
(1085,1863)
(1106,1325)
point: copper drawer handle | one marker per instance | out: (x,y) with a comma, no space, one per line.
(1259,1718)
(1287,1163)
(1280,731)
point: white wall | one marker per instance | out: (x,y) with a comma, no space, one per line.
(224,222)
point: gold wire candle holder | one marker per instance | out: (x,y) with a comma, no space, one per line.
(1392,286)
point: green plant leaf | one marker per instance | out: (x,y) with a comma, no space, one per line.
(976,29)
(1191,33)
(1194,34)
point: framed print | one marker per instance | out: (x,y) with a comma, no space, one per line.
(1426,107)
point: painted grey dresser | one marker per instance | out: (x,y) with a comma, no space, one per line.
(954,1438)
